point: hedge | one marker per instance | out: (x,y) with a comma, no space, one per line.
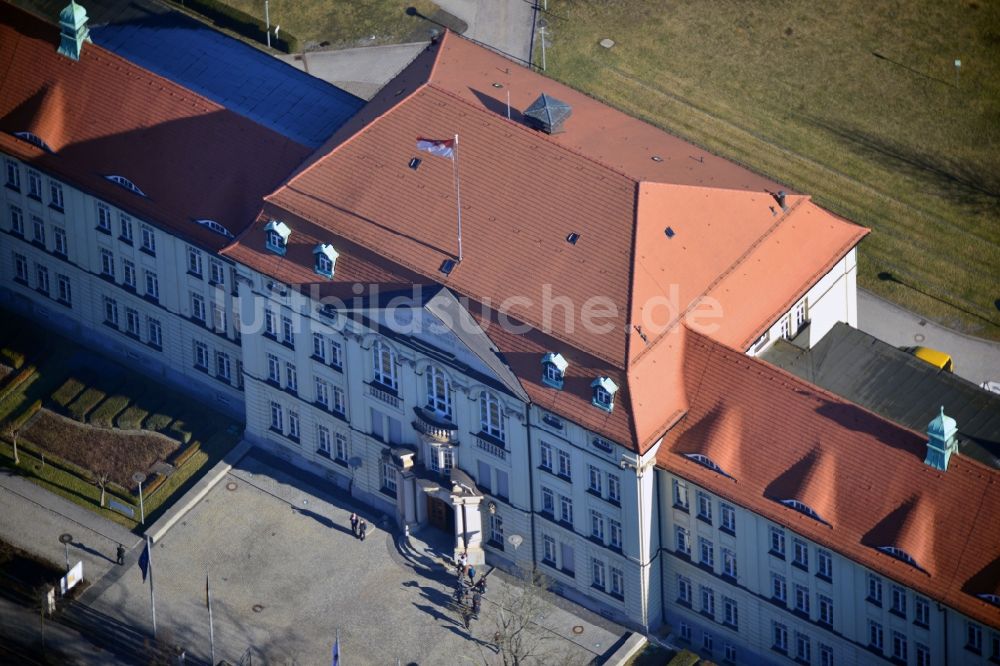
(104,415)
(14,358)
(24,416)
(65,394)
(132,418)
(186,454)
(149,488)
(180,431)
(157,421)
(86,402)
(242,23)
(18,379)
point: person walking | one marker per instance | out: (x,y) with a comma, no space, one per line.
(477,600)
(466,618)
(472,575)
(354,523)
(362,528)
(120,554)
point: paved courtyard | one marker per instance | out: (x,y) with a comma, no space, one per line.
(287,574)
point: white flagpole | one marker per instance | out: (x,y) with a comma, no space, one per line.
(211,626)
(152,596)
(458,198)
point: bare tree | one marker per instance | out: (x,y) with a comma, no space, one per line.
(518,638)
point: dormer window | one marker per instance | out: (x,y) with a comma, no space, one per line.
(900,555)
(34,140)
(276,236)
(126,183)
(604,393)
(553,369)
(326,259)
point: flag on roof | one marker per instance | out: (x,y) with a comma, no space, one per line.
(439,147)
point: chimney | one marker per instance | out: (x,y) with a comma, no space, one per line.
(73,31)
(941,441)
(547,114)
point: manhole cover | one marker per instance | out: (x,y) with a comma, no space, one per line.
(257,608)
(919,337)
(578,629)
(607,43)
(231,486)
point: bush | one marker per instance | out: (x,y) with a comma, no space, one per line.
(131,418)
(65,394)
(149,488)
(186,454)
(13,357)
(240,22)
(80,407)
(157,421)
(180,431)
(104,415)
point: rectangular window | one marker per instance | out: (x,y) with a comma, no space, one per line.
(567,557)
(154,333)
(730,612)
(148,239)
(110,311)
(777,541)
(103,218)
(59,238)
(502,490)
(899,646)
(20,268)
(194,261)
(779,590)
(825,564)
(875,634)
(319,347)
(549,550)
(707,642)
(128,273)
(200,355)
(341,441)
(923,655)
(728,518)
(65,293)
(898,601)
(339,406)
(704,506)
(615,533)
(548,502)
(291,378)
(545,461)
(683,589)
(107,263)
(223,366)
(825,610)
(707,601)
(875,589)
(13,174)
(706,552)
(685,631)
(125,226)
(597,573)
(34,185)
(277,418)
(16,221)
(973,637)
(42,280)
(336,355)
(921,611)
(683,539)
(825,655)
(565,469)
(802,599)
(269,327)
(597,525)
(293,425)
(38,230)
(55,195)
(484,476)
(198,307)
(496,530)
(323,440)
(594,479)
(617,582)
(800,553)
(322,393)
(614,489)
(731,653)
(803,648)
(780,633)
(132,322)
(680,494)
(728,563)
(565,509)
(286,330)
(217,274)
(152,286)
(273,369)
(388,476)
(219,319)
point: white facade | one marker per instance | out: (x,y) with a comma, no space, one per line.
(765,595)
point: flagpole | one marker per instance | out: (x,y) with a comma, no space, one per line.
(458,198)
(152,597)
(211,626)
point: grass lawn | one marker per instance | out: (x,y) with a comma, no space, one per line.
(855,103)
(345,23)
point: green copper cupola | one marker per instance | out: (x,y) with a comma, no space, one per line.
(941,442)
(73,31)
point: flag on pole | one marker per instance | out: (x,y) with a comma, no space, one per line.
(439,147)
(336,650)
(144,562)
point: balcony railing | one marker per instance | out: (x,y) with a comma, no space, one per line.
(490,447)
(385,395)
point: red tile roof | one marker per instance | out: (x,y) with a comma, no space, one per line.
(779,438)
(103,115)
(523,192)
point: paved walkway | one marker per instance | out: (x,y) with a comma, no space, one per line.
(975,359)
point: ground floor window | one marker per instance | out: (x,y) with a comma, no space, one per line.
(617,582)
(341,453)
(323,440)
(388,476)
(496,530)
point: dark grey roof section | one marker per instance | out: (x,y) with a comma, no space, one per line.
(897,386)
(548,114)
(452,314)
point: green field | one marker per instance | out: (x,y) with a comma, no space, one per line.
(855,103)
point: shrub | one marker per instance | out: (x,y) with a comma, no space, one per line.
(65,394)
(104,415)
(18,379)
(240,22)
(80,407)
(157,421)
(186,454)
(180,431)
(13,357)
(131,418)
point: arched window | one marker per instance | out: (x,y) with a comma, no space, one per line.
(438,392)
(384,359)
(491,415)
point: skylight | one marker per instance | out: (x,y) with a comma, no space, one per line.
(803,508)
(34,140)
(900,555)
(127,184)
(216,227)
(705,461)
